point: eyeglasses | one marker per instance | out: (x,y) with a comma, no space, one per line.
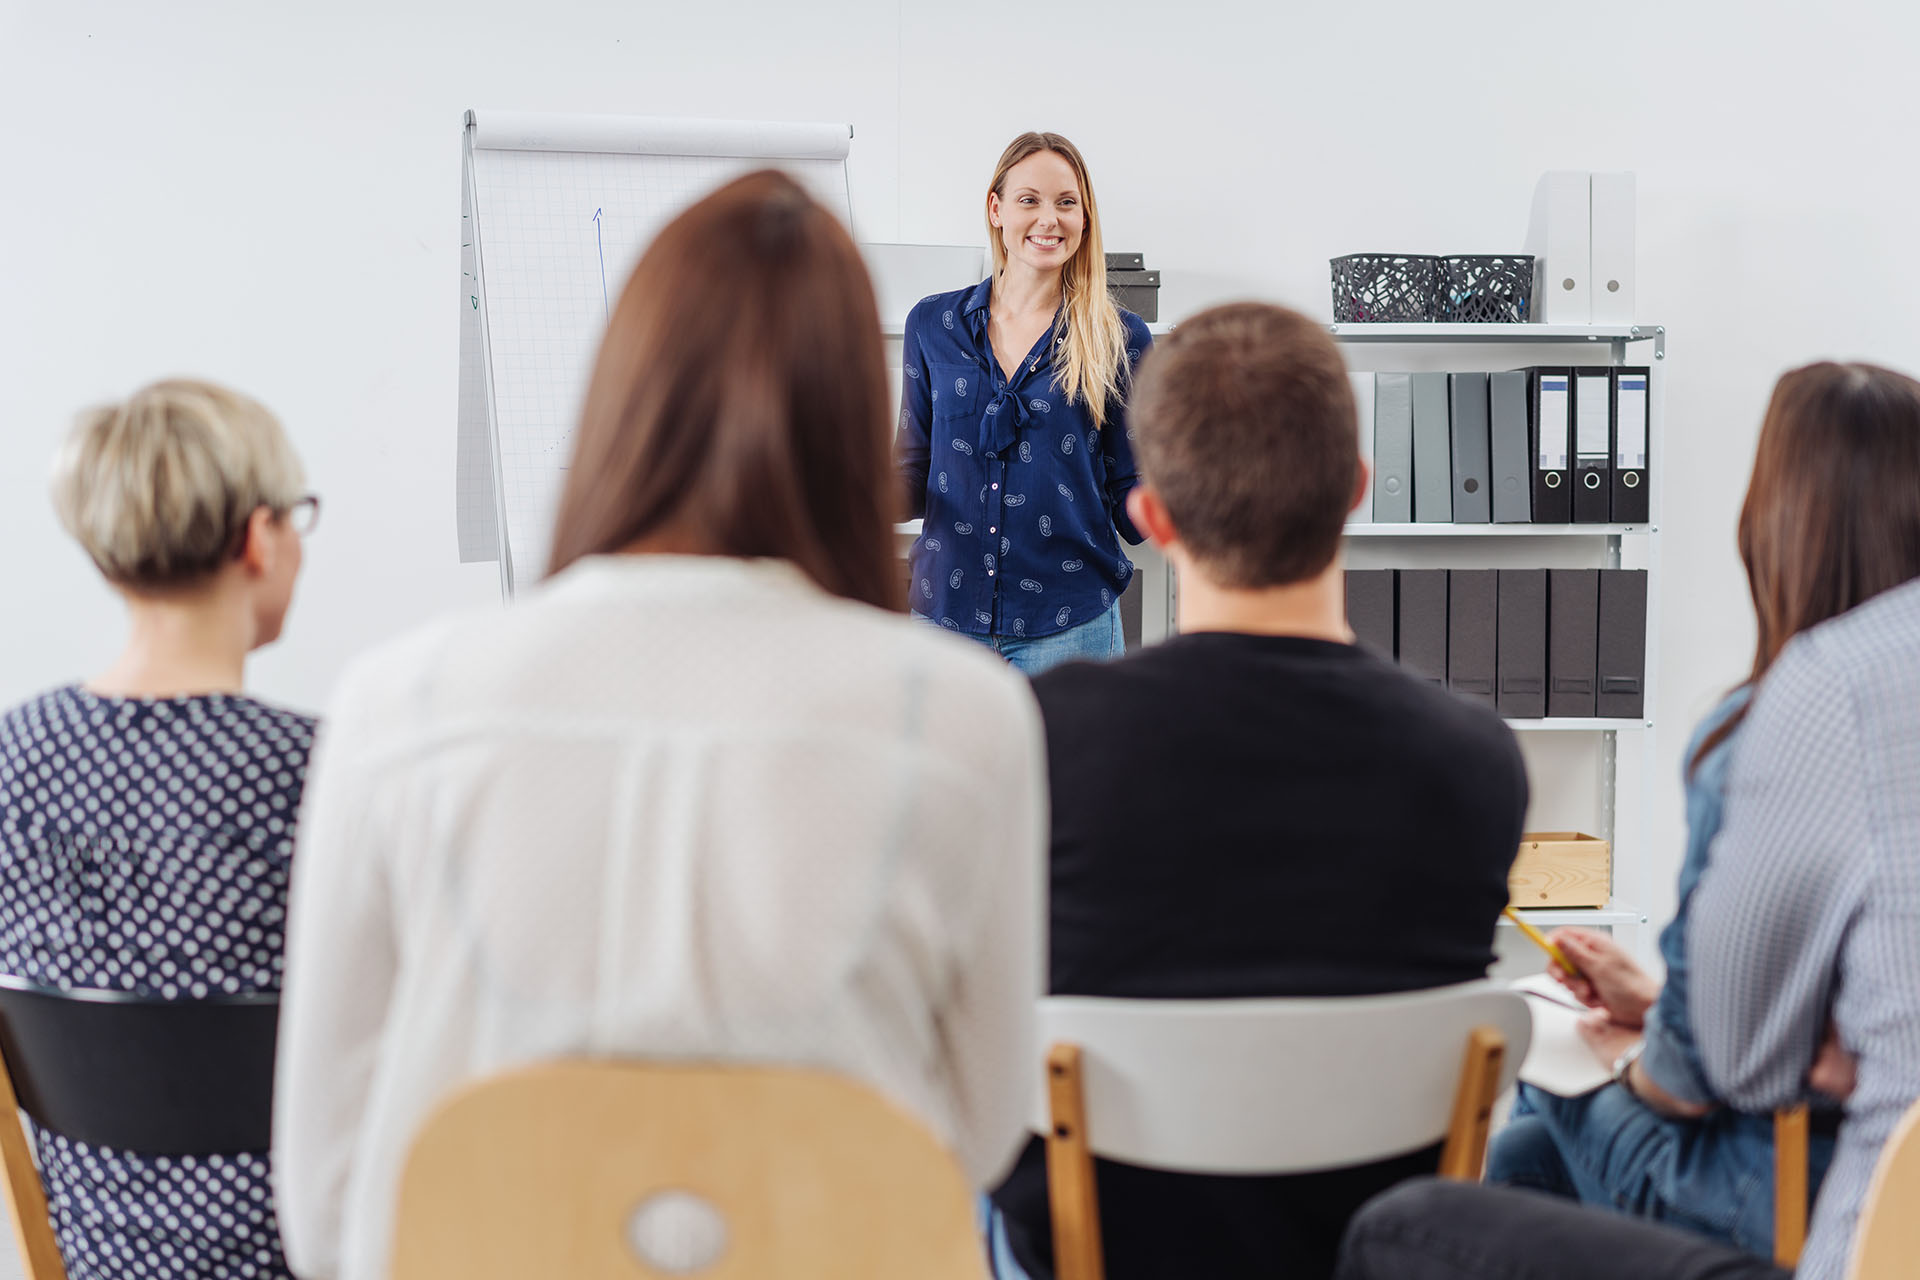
(304,514)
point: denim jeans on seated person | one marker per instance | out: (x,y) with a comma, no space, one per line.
(1099,640)
(1428,1229)
(1712,1176)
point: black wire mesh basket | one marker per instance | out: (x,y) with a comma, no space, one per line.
(1479,288)
(1381,287)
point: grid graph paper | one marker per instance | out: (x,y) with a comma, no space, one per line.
(557,234)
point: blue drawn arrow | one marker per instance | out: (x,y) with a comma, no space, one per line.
(601,246)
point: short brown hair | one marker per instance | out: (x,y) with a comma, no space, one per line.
(740,396)
(1243,419)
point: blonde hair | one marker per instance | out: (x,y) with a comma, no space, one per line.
(1096,341)
(157,490)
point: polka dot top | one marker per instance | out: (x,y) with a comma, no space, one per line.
(145,846)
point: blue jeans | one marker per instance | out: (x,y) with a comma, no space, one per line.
(1712,1176)
(1097,641)
(1001,1264)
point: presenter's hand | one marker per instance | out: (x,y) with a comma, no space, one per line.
(1608,978)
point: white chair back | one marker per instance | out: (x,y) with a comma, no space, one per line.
(1275,1086)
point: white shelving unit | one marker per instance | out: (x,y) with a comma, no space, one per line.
(1591,917)
(1616,336)
(1569,724)
(1460,347)
(1498,530)
(1455,347)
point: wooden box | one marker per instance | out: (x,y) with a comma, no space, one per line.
(1560,869)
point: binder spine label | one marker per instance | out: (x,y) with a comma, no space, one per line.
(1591,419)
(1553,420)
(1633,423)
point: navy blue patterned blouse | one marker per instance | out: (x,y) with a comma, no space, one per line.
(145,846)
(1023,500)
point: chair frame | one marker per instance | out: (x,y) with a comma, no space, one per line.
(26,1198)
(1790,1134)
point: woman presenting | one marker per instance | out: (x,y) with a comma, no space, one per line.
(1012,445)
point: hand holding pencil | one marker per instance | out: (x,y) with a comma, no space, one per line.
(1566,967)
(1598,971)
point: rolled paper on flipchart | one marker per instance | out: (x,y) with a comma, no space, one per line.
(649,135)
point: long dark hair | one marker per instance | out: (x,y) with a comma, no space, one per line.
(1832,516)
(740,399)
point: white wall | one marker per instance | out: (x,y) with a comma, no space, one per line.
(267,194)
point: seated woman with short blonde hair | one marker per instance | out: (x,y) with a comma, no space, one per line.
(147,816)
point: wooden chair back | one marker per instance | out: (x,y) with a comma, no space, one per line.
(1266,1087)
(1886,1240)
(628,1170)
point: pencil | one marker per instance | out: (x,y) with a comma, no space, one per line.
(1541,940)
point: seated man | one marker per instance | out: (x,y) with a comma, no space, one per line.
(1257,807)
(1808,912)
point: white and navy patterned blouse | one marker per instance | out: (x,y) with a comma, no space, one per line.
(1023,500)
(145,846)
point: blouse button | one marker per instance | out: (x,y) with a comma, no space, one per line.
(996,486)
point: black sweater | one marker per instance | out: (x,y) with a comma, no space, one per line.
(1238,815)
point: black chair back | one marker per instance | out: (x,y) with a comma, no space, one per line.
(153,1077)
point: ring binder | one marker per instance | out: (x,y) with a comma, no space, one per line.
(1592,445)
(1631,502)
(1551,405)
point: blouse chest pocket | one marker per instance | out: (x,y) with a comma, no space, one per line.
(959,391)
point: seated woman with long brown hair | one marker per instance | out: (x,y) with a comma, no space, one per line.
(708,793)
(1824,528)
(1791,955)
